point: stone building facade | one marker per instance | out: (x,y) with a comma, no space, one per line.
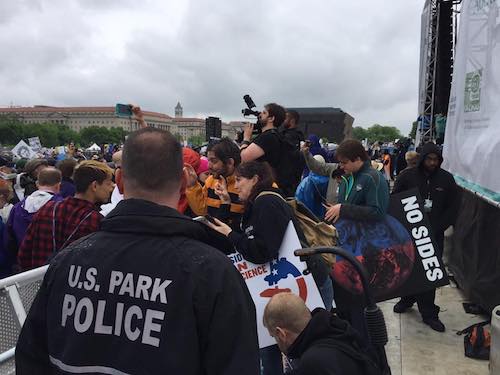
(78,118)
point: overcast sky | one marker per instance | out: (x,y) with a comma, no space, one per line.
(359,55)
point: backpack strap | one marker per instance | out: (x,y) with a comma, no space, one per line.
(54,246)
(270,193)
(323,199)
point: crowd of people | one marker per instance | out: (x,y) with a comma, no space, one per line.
(139,279)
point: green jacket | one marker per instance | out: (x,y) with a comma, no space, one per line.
(364,195)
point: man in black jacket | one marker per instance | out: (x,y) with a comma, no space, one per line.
(318,343)
(440,193)
(148,294)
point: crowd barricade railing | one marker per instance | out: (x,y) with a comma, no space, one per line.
(16,296)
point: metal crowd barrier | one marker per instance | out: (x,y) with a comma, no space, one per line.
(16,296)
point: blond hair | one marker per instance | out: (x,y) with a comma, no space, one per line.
(89,171)
(411,158)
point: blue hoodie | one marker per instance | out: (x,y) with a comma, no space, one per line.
(312,192)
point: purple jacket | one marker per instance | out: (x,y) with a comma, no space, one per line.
(20,219)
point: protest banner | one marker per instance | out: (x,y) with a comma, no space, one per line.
(398,252)
(23,151)
(35,143)
(285,274)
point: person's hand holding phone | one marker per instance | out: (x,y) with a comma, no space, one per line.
(220,227)
(221,191)
(304,146)
(332,212)
(138,115)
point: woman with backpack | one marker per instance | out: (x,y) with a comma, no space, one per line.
(263,225)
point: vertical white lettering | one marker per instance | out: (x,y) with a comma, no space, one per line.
(410,203)
(150,326)
(118,319)
(68,308)
(159,290)
(419,232)
(132,334)
(434,274)
(74,277)
(127,285)
(414,216)
(422,241)
(428,262)
(426,250)
(90,283)
(143,284)
(115,279)
(84,303)
(99,320)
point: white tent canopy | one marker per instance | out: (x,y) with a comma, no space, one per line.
(94,147)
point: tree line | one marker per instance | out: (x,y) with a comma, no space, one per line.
(13,130)
(377,133)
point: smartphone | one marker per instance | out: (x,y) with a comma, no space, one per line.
(123,110)
(210,219)
(202,219)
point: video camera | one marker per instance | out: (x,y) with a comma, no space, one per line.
(250,104)
(257,128)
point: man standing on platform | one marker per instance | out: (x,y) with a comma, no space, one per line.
(440,193)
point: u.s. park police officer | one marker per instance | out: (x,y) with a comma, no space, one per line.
(147,294)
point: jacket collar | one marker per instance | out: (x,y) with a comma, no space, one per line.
(144,217)
(329,329)
(367,165)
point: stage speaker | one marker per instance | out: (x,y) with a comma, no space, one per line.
(213,128)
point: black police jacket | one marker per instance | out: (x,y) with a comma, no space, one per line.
(264,225)
(147,294)
(330,346)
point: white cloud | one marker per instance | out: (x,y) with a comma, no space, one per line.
(361,56)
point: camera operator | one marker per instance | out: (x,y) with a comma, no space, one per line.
(266,146)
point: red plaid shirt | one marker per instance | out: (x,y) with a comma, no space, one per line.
(71,215)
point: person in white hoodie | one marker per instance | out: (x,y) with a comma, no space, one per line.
(48,184)
(116,196)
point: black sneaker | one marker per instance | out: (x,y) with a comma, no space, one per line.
(435,324)
(402,306)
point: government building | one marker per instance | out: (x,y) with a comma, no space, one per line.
(78,118)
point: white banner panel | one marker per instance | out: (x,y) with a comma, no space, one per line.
(472,140)
(285,274)
(35,143)
(22,150)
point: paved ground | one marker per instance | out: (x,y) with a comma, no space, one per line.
(414,348)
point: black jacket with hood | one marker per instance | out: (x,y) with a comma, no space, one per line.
(439,186)
(263,226)
(147,294)
(328,345)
